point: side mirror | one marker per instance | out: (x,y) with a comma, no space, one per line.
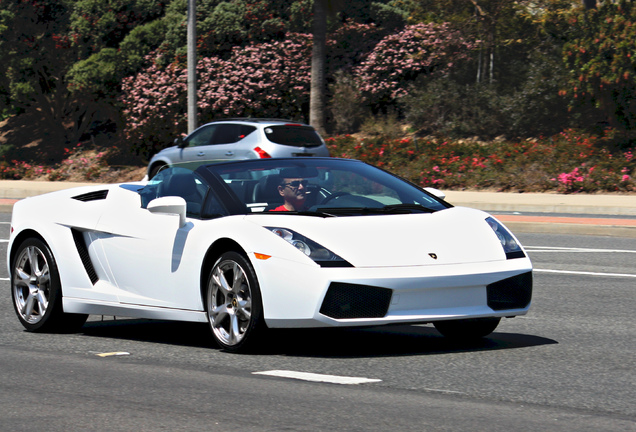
(179,142)
(435,192)
(169,205)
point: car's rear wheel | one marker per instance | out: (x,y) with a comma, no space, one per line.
(37,292)
(466,329)
(234,304)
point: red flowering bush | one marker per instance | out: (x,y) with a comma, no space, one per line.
(272,79)
(399,58)
(264,80)
(567,162)
(16,170)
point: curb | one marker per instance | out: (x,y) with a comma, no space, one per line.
(610,227)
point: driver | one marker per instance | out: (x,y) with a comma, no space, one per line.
(294,193)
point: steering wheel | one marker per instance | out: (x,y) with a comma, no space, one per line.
(334,196)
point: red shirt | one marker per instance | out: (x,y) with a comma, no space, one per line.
(280,208)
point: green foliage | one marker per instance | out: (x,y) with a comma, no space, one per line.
(601,55)
(445,107)
(346,106)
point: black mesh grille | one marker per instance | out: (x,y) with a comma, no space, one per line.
(511,293)
(80,244)
(355,301)
(92,196)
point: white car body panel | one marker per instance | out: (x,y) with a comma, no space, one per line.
(150,267)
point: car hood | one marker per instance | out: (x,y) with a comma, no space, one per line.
(451,236)
(168,149)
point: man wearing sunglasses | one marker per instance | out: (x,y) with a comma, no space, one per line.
(293,191)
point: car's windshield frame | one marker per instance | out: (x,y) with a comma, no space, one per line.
(219,176)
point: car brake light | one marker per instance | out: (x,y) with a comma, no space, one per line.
(292,124)
(262,153)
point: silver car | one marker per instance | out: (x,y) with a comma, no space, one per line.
(233,139)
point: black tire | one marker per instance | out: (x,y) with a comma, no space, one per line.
(467,329)
(37,291)
(234,305)
(155,169)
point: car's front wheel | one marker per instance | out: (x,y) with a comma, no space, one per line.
(37,292)
(234,304)
(466,329)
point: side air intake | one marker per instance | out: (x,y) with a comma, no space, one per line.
(80,244)
(92,196)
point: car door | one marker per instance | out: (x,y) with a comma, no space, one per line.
(197,146)
(148,252)
(228,142)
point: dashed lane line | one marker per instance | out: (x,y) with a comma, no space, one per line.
(313,377)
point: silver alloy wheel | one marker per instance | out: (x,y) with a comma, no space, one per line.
(229,302)
(31,284)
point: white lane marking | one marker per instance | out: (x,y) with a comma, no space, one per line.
(5,279)
(443,391)
(585,273)
(306,376)
(111,354)
(575,250)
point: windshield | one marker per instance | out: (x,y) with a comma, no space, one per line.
(321,186)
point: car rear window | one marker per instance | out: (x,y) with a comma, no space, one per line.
(299,136)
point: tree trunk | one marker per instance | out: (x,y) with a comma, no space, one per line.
(318,60)
(589,4)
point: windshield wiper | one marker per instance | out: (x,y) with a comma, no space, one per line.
(407,207)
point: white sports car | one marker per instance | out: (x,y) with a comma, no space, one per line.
(257,244)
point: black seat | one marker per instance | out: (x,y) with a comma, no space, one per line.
(184,186)
(266,190)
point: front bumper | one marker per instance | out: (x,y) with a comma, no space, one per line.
(309,296)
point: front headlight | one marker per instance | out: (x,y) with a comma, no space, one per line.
(321,255)
(508,242)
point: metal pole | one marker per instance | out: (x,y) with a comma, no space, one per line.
(192,66)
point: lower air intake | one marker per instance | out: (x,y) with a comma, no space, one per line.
(511,293)
(347,301)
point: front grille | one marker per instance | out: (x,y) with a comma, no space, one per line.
(346,301)
(80,244)
(511,293)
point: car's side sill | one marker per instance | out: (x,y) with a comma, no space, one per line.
(92,307)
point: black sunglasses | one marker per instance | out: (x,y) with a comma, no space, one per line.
(296,183)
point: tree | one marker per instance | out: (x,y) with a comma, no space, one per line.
(36,51)
(601,55)
(62,57)
(400,58)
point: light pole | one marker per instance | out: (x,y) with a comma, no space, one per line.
(192,65)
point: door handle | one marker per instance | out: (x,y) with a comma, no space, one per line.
(201,154)
(229,153)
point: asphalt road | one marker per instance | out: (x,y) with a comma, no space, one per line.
(568,365)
